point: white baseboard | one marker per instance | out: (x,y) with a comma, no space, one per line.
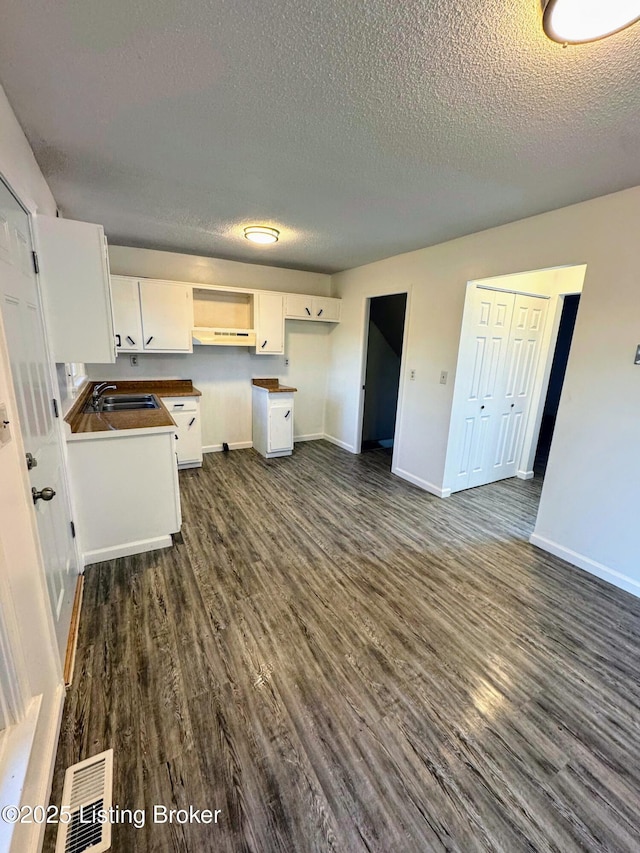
(587,564)
(422,484)
(525,475)
(236,445)
(343,444)
(314,436)
(126,550)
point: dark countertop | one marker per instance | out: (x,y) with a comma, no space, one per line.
(273,386)
(86,422)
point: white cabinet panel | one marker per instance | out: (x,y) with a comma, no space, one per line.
(167,316)
(74,272)
(272,422)
(280,427)
(299,307)
(269,323)
(321,308)
(126,313)
(326,308)
(186,413)
(126,492)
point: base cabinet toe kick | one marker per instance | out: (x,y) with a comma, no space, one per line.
(125,492)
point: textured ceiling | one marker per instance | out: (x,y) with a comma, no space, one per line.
(359,129)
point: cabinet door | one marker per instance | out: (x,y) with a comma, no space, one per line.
(189,433)
(299,307)
(126,313)
(76,290)
(167,316)
(269,324)
(280,427)
(326,308)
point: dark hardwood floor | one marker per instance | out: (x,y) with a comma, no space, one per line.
(339,661)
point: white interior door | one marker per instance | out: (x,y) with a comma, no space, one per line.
(498,356)
(24,330)
(479,377)
(523,353)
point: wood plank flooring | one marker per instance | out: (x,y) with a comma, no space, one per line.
(339,661)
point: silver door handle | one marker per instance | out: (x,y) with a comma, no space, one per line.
(47,494)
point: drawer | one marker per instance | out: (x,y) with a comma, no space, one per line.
(181,404)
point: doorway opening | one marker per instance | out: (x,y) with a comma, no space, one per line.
(385,335)
(556,380)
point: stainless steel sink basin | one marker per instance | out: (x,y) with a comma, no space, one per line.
(123,403)
(128,405)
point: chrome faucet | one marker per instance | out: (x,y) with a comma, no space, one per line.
(98,390)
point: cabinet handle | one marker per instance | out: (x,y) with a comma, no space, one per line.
(263,345)
(118,341)
(178,405)
(320,312)
(149,341)
(192,422)
(288,413)
(482,407)
(307,310)
(176,434)
(129,338)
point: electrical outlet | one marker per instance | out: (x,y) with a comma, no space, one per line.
(134,360)
(443,377)
(412,375)
(286,362)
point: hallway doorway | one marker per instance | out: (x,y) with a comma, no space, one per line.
(556,380)
(385,336)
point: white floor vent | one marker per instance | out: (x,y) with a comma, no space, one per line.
(87,795)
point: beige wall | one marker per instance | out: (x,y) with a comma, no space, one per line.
(150,263)
(587,510)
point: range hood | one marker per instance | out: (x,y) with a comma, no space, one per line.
(206,336)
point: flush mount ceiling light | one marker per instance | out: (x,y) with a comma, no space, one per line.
(579,21)
(261,234)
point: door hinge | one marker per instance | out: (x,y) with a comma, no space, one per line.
(55,408)
(73,529)
(36,265)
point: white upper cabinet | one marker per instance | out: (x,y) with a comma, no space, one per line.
(167,316)
(299,307)
(74,272)
(320,308)
(269,309)
(126,313)
(327,309)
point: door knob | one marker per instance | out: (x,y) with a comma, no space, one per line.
(46,494)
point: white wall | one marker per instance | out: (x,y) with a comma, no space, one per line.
(589,493)
(18,165)
(150,263)
(224,374)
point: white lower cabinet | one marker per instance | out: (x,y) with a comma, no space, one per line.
(125,492)
(186,413)
(272,422)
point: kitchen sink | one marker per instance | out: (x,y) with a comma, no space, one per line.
(108,399)
(123,403)
(128,405)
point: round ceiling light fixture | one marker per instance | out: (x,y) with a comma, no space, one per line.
(261,234)
(580,21)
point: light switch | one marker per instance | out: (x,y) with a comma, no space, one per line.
(637,361)
(443,377)
(5,425)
